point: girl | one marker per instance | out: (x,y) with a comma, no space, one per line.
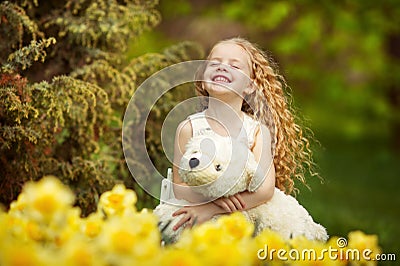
(243,91)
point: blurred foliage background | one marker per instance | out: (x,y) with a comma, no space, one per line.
(341,59)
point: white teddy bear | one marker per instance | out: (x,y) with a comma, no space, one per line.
(216,166)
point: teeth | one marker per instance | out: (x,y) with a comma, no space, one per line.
(221,79)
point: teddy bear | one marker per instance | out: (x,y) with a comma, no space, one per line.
(217,166)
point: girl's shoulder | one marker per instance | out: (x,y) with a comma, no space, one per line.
(184,128)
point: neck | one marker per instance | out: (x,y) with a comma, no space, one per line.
(220,109)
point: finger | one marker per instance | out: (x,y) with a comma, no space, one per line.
(240,200)
(231,205)
(224,205)
(181,222)
(219,203)
(180,211)
(236,202)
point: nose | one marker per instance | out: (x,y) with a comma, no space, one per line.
(193,162)
(222,67)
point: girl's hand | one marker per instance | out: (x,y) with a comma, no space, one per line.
(231,203)
(196,214)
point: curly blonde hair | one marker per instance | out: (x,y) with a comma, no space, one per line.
(270,104)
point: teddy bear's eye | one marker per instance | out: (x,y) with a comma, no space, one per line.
(218,167)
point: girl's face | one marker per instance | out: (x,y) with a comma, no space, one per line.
(228,70)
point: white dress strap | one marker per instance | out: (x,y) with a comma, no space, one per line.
(199,124)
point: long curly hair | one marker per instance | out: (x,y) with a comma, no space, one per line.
(270,103)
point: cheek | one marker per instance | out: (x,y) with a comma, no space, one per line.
(207,74)
(209,175)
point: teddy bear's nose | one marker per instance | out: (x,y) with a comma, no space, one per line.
(193,162)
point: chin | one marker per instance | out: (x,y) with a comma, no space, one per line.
(219,89)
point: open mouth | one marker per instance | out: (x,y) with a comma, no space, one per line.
(221,79)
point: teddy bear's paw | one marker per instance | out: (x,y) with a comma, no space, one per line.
(320,233)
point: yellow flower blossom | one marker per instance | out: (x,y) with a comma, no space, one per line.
(367,244)
(17,253)
(179,257)
(62,233)
(42,228)
(34,231)
(117,201)
(80,253)
(226,241)
(46,200)
(129,239)
(92,225)
(17,206)
(236,226)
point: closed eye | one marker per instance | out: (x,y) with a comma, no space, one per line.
(213,63)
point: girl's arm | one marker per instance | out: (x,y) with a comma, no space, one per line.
(247,200)
(181,189)
(192,214)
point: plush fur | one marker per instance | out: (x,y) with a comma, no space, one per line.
(216,166)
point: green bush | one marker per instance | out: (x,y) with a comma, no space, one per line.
(64,87)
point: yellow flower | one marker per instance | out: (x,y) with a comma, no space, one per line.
(92,225)
(226,241)
(235,226)
(34,231)
(62,233)
(16,253)
(200,237)
(129,239)
(226,229)
(117,201)
(239,253)
(367,245)
(46,200)
(79,252)
(179,257)
(17,206)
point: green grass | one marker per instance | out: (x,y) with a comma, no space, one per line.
(360,191)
